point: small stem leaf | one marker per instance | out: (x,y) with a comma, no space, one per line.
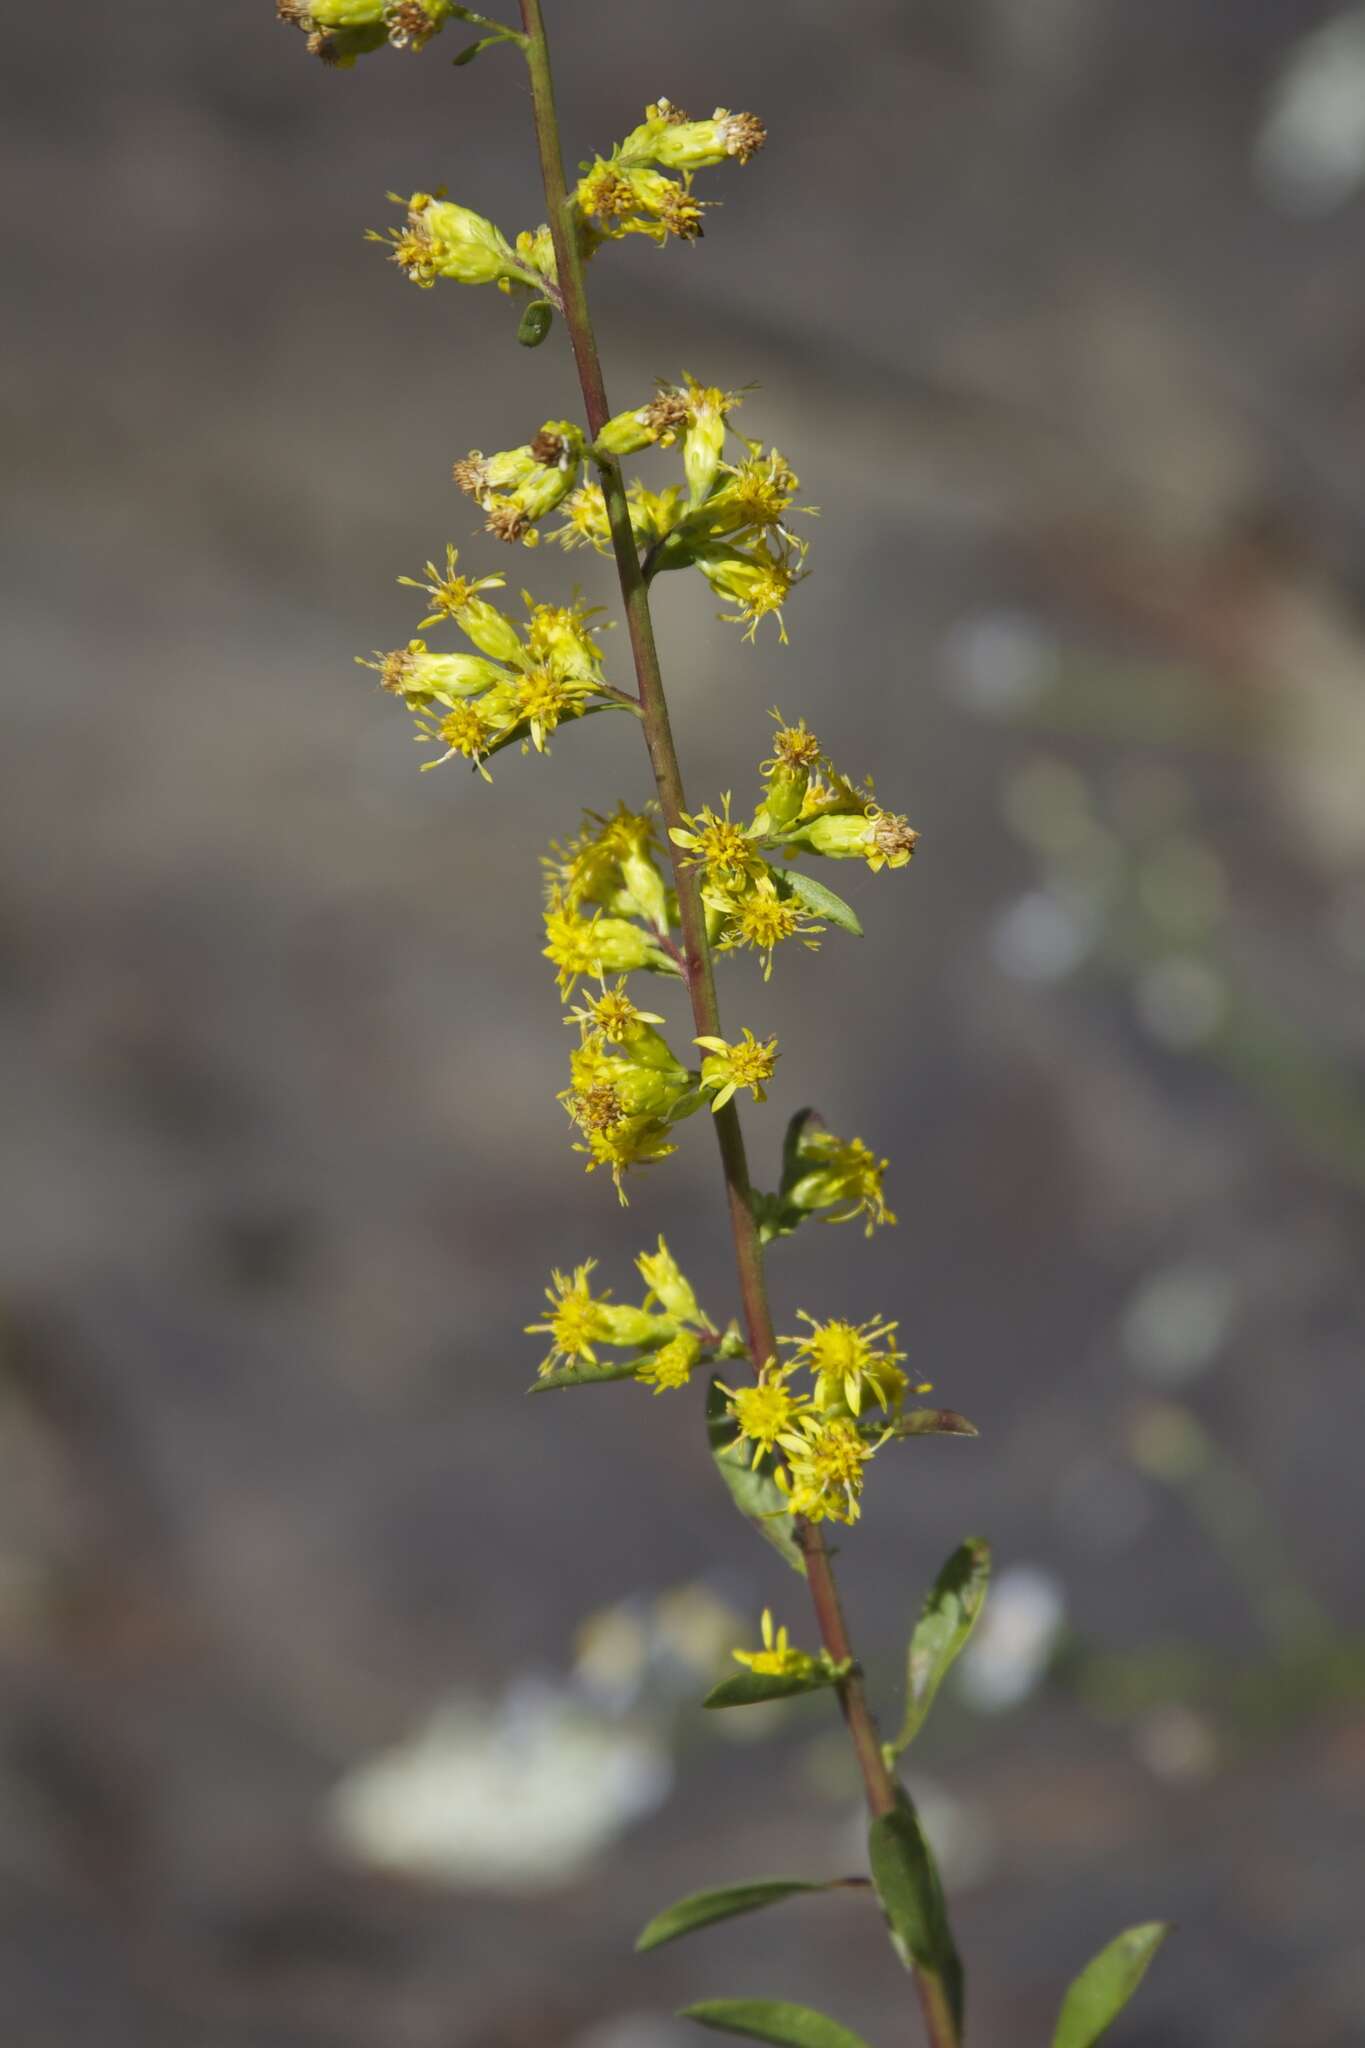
(1097,1997)
(946,1621)
(907,1883)
(702,1909)
(589,1375)
(751,1688)
(793,1161)
(822,901)
(752,1488)
(767,2019)
(927,1422)
(536,321)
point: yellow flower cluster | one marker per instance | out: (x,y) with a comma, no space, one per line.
(630,192)
(339,31)
(522,684)
(667,1329)
(816,1433)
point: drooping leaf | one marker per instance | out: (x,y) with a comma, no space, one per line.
(907,1883)
(822,901)
(768,2019)
(703,1909)
(793,1157)
(752,1487)
(948,1616)
(1097,1997)
(589,1375)
(751,1688)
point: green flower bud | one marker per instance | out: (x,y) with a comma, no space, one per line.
(684,145)
(626,433)
(413,671)
(490,630)
(664,1277)
(783,794)
(342,30)
(622,947)
(838,838)
(703,443)
(645,886)
(632,1326)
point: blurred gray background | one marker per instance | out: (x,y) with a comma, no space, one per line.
(1057,307)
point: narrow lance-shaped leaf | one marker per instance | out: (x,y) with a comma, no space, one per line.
(752,1688)
(752,1487)
(907,1883)
(946,1621)
(1097,1997)
(816,897)
(703,1909)
(768,2019)
(589,1375)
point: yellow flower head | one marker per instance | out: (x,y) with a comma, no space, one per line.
(758,579)
(576,1322)
(764,920)
(463,730)
(448,593)
(843,1176)
(767,1410)
(746,1064)
(851,1361)
(634,1141)
(611,1016)
(441,239)
(796,750)
(542,698)
(777,1658)
(573,945)
(672,1365)
(586,524)
(823,1476)
(715,843)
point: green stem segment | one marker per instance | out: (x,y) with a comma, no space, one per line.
(696,951)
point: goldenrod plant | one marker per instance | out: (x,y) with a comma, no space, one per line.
(795,1420)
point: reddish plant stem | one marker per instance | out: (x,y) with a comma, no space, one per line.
(698,969)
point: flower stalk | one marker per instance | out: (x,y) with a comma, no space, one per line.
(663,890)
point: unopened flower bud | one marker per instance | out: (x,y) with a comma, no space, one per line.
(664,1278)
(630,1326)
(489,629)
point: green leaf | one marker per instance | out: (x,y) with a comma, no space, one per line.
(946,1621)
(1097,1997)
(589,1375)
(702,1909)
(822,901)
(925,1422)
(752,1487)
(536,321)
(767,2019)
(750,1688)
(907,1883)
